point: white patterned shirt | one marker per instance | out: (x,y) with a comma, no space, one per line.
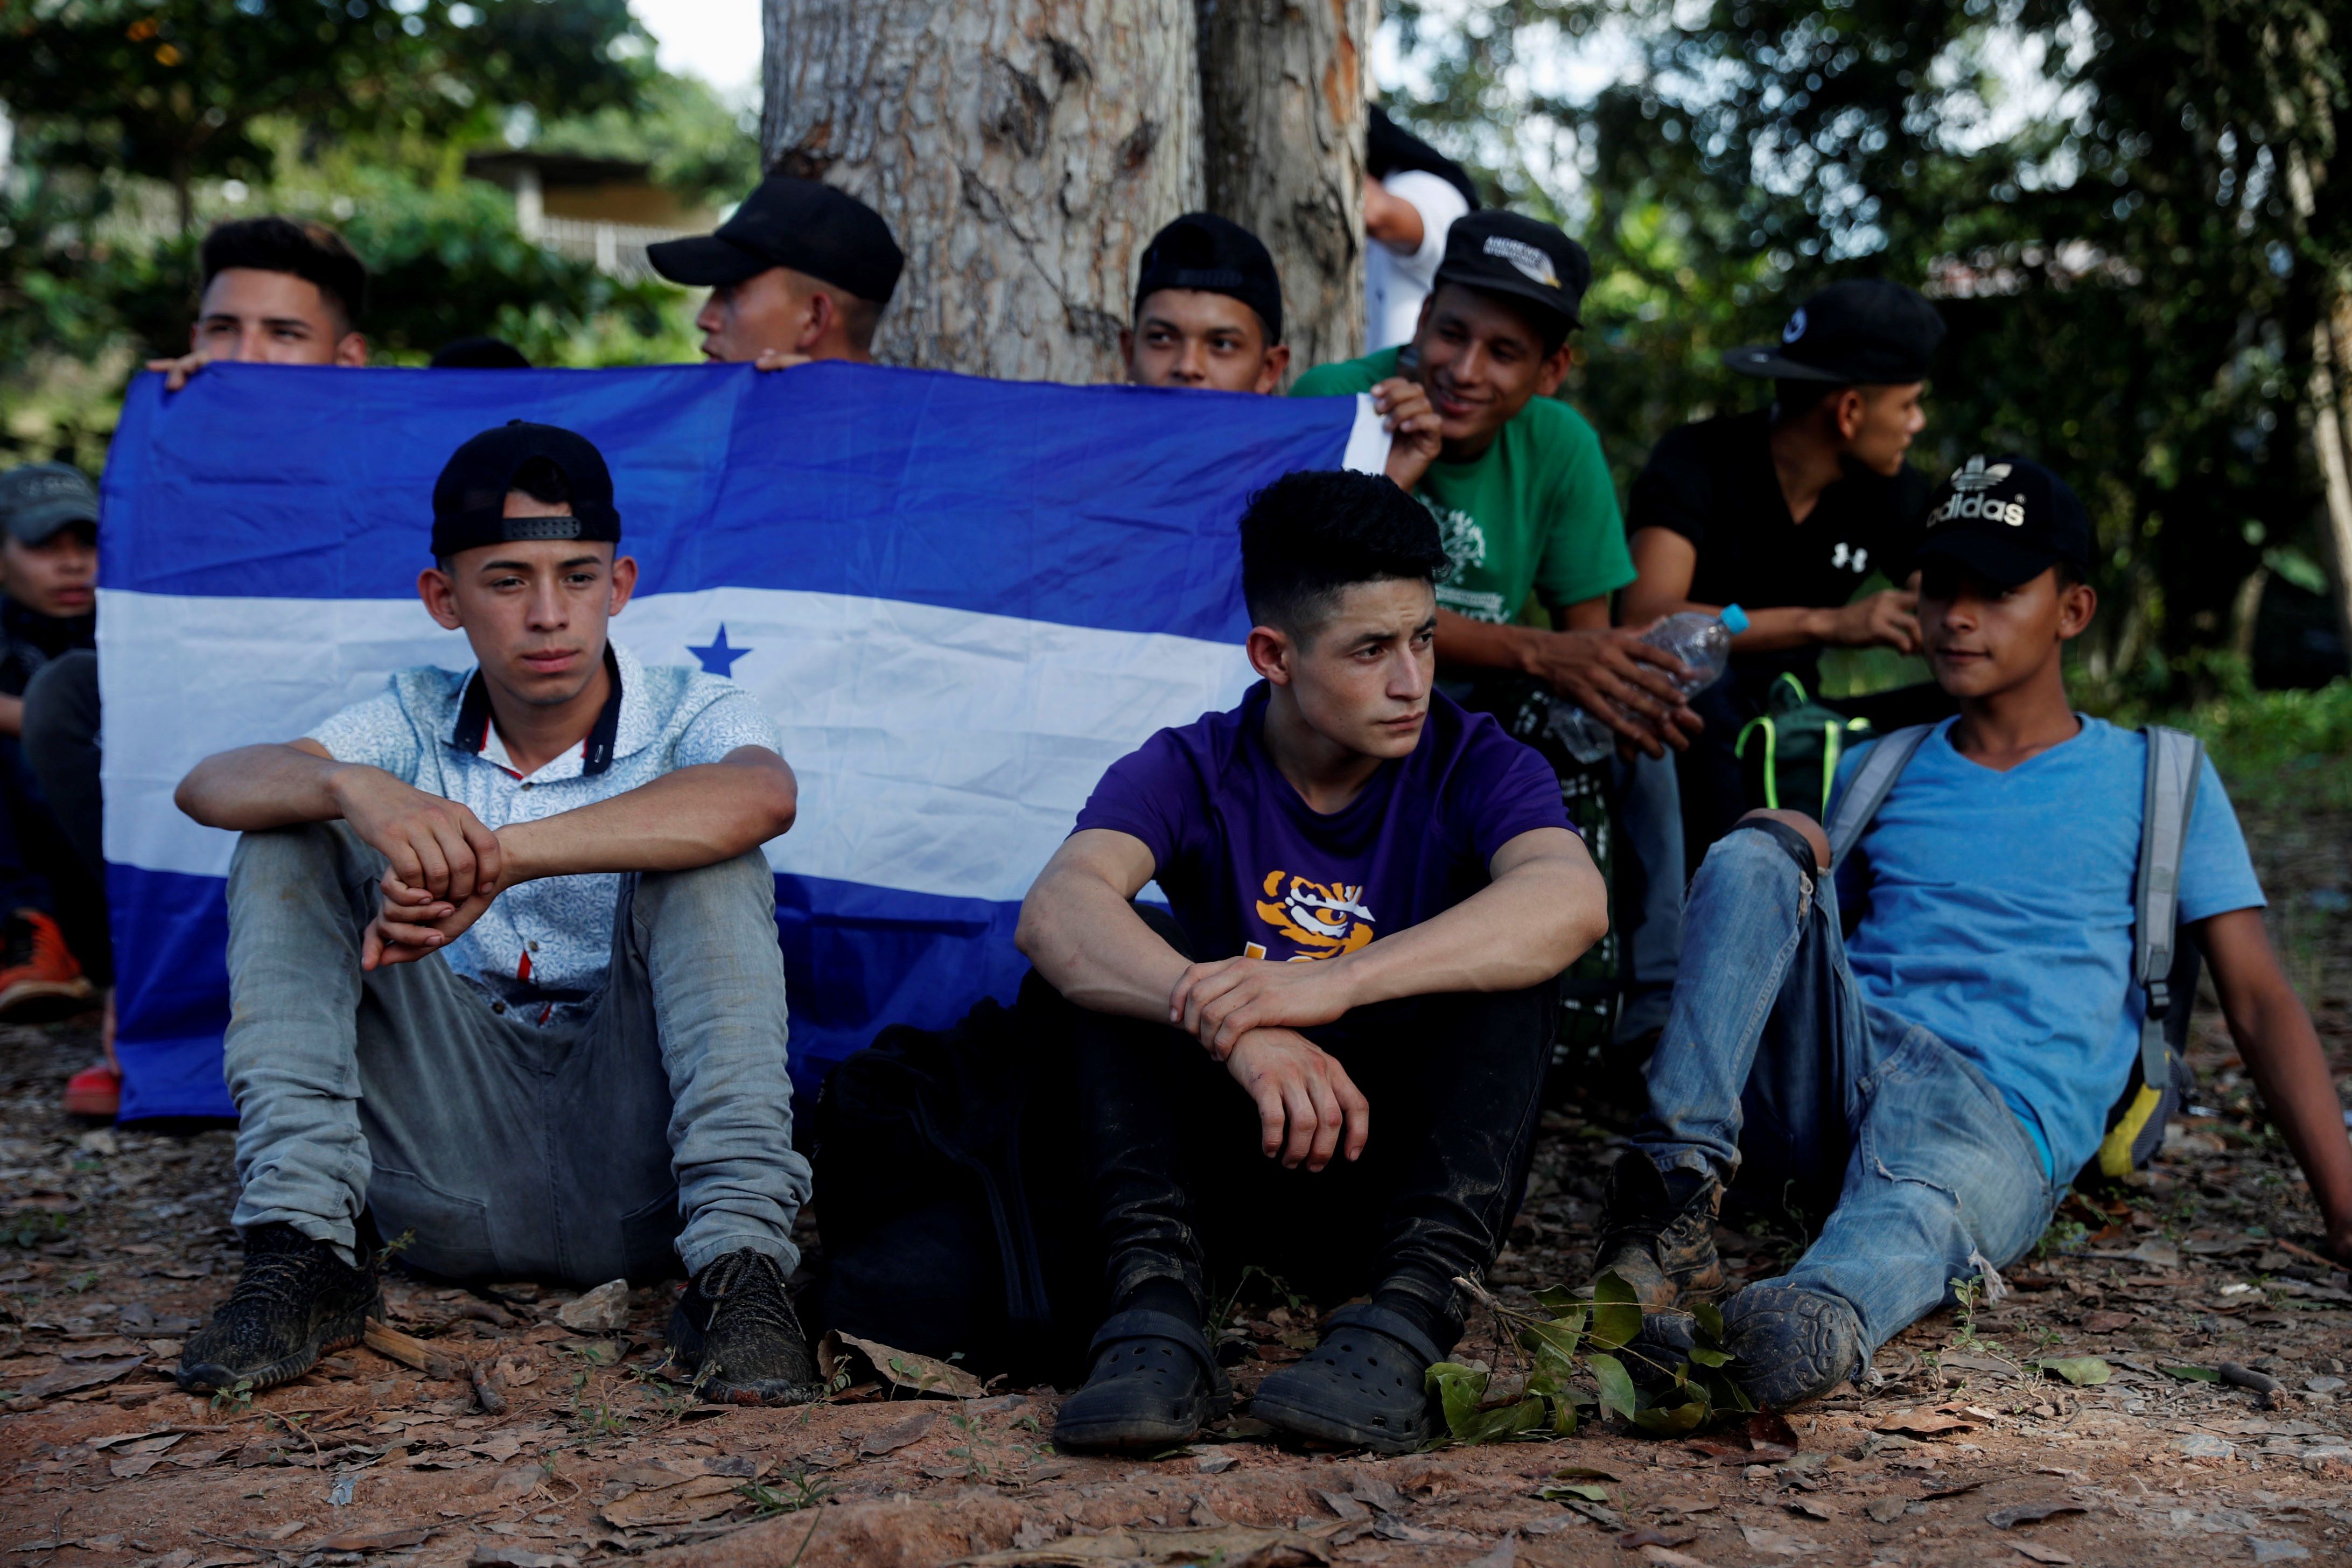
(543,949)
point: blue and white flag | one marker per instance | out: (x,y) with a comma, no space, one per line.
(962,600)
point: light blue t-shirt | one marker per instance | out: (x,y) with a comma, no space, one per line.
(1996,910)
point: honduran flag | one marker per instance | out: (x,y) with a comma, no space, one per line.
(961,600)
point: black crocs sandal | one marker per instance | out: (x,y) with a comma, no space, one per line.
(1153,1386)
(1363,1387)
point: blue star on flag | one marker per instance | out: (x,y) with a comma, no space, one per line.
(719,659)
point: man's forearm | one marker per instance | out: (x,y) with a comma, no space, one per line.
(1519,931)
(12,715)
(692,817)
(255,788)
(1092,948)
(2282,1055)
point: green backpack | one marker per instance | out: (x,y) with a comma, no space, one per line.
(1789,753)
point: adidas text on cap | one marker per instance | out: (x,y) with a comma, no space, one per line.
(2006,520)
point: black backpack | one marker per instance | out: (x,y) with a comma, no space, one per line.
(1789,753)
(948,1229)
(2163,967)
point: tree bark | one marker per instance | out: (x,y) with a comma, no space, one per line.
(1282,118)
(1024,153)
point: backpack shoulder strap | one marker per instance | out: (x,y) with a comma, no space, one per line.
(2175,764)
(1868,792)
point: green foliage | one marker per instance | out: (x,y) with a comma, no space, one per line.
(1593,1338)
(2082,1371)
(694,144)
(2113,237)
(175,90)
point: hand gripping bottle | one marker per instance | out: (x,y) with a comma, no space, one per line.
(1701,641)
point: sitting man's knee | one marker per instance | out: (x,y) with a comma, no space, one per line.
(1795,832)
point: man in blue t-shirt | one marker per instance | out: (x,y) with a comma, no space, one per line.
(1373,893)
(1936,1079)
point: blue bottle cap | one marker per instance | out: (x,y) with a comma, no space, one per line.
(1735,619)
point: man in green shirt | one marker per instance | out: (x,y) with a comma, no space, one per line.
(1516,478)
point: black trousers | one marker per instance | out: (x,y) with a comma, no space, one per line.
(1170,1148)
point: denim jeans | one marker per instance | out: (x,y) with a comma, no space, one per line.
(1650,876)
(1775,1069)
(654,1127)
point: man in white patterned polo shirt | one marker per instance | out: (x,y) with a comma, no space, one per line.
(503,962)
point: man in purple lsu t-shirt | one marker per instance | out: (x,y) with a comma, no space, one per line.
(1374,894)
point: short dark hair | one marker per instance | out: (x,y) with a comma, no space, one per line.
(1312,533)
(1790,398)
(311,251)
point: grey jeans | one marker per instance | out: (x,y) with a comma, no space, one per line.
(657,1128)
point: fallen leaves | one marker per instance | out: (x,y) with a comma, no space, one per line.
(1925,1424)
(2030,1513)
(888,1439)
(72,1379)
(2039,1552)
(837,1353)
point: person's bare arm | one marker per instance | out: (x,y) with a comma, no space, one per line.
(1079,927)
(1546,905)
(690,817)
(1667,563)
(1601,669)
(2273,1033)
(12,715)
(435,845)
(1391,220)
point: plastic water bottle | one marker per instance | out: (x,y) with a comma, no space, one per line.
(1701,641)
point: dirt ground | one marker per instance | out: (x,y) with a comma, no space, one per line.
(116,1243)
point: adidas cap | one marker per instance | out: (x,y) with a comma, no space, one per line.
(2006,520)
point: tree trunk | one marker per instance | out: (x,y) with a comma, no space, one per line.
(1024,153)
(1282,101)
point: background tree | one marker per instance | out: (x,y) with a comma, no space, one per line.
(172,88)
(2098,192)
(1024,150)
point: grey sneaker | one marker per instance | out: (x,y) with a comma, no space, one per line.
(294,1302)
(735,1327)
(1657,1233)
(1789,1345)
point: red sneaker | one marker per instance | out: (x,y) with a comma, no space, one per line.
(39,976)
(95,1091)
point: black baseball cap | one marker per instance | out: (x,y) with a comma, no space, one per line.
(2006,519)
(1498,252)
(38,499)
(1216,256)
(787,221)
(469,499)
(1864,332)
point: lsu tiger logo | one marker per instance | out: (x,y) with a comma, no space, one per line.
(1320,920)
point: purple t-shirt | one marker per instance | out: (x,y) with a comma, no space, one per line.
(1250,868)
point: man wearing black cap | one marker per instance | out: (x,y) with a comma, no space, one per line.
(52,904)
(1934,1079)
(1785,511)
(502,959)
(801,272)
(1516,477)
(1208,311)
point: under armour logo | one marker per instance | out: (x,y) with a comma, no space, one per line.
(1844,555)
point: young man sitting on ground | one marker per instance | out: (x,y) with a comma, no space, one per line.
(512,922)
(1344,801)
(1934,1079)
(1208,313)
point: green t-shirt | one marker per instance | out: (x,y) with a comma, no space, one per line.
(1536,512)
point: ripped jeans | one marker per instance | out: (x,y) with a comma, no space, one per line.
(1773,1068)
